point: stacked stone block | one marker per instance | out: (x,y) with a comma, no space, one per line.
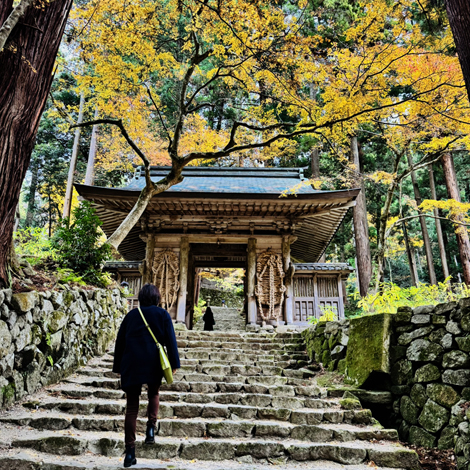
(326,344)
(430,371)
(44,336)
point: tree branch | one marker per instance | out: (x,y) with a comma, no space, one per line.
(119,124)
(12,21)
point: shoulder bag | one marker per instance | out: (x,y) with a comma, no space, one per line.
(164,362)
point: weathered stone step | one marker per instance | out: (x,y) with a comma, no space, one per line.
(234,355)
(241,336)
(208,428)
(184,391)
(243,347)
(217,410)
(350,453)
(33,460)
(114,384)
(215,369)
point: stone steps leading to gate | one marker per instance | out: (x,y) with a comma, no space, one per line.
(232,414)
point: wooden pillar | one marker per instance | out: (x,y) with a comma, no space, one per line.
(288,280)
(184,255)
(316,305)
(251,279)
(147,275)
(341,298)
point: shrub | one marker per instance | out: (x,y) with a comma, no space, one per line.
(392,296)
(34,244)
(77,248)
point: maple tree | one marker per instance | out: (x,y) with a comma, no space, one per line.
(194,81)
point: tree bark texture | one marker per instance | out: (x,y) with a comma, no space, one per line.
(424,228)
(361,226)
(315,163)
(73,162)
(461,231)
(411,257)
(26,63)
(458,12)
(90,168)
(440,237)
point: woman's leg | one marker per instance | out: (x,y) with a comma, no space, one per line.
(154,403)
(132,410)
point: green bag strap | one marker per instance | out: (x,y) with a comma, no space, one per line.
(147,325)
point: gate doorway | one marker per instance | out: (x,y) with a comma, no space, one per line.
(210,257)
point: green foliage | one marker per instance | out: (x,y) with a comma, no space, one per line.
(329,314)
(392,296)
(198,310)
(33,244)
(66,276)
(51,361)
(77,245)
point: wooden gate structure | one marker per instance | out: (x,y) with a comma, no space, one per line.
(268,221)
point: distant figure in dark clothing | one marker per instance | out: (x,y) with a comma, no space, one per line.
(208,319)
(137,360)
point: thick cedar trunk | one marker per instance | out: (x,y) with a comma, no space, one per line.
(411,257)
(361,227)
(424,229)
(458,12)
(26,64)
(461,231)
(440,237)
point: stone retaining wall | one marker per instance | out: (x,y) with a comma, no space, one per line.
(44,336)
(326,344)
(430,372)
(424,362)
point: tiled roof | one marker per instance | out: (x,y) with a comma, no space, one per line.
(323,267)
(230,180)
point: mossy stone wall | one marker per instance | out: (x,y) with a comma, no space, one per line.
(45,336)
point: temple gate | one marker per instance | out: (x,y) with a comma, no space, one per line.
(265,220)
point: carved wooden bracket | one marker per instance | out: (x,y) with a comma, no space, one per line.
(165,276)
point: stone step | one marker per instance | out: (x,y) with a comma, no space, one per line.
(217,370)
(106,444)
(241,336)
(208,428)
(34,460)
(114,384)
(240,347)
(258,411)
(184,391)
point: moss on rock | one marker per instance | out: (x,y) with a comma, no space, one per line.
(368,347)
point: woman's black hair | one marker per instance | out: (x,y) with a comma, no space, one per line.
(149,295)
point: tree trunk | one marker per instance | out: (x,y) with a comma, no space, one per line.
(90,169)
(411,257)
(424,228)
(315,163)
(461,231)
(361,227)
(458,12)
(27,63)
(73,162)
(32,194)
(440,237)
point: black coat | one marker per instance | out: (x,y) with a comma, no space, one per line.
(135,354)
(208,319)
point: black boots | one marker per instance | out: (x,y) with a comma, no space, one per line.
(130,459)
(150,434)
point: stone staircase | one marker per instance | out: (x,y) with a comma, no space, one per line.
(241,401)
(226,319)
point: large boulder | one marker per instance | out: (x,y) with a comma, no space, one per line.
(5,339)
(433,417)
(368,347)
(424,351)
(24,301)
(443,394)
